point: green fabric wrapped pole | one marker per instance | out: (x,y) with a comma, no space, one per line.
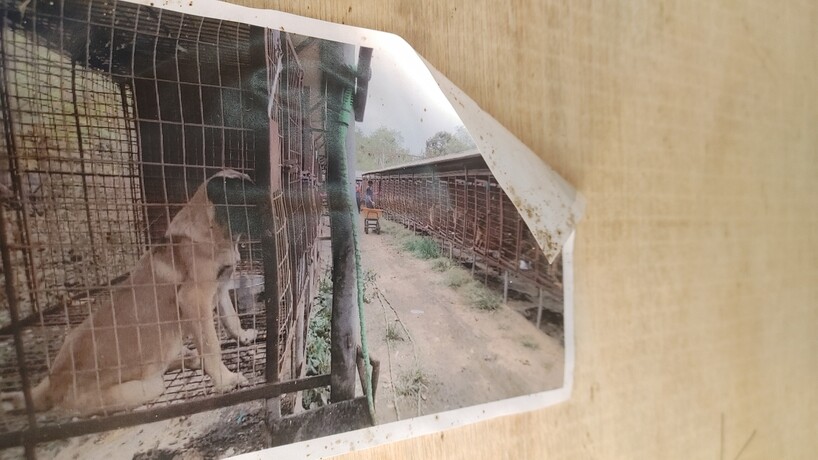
(346,112)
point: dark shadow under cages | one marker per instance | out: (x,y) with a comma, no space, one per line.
(113,115)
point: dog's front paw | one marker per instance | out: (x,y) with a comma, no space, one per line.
(229,381)
(248,336)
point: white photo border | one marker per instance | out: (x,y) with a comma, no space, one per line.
(505,155)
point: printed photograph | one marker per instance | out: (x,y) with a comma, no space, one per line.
(218,238)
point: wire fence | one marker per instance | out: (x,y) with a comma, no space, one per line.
(114,116)
(461,205)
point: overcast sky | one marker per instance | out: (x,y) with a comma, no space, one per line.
(403,96)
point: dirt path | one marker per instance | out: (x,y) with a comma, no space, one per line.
(465,356)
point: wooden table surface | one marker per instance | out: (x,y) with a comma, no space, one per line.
(692,130)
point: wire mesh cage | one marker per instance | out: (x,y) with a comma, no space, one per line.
(114,117)
(458,201)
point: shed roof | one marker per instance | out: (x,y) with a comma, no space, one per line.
(469,158)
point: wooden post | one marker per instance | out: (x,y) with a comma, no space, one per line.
(272,305)
(303,308)
(344,289)
(268,173)
(487,233)
(539,309)
(505,287)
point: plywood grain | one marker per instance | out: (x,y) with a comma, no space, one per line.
(692,130)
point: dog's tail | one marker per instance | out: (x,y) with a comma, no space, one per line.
(40,396)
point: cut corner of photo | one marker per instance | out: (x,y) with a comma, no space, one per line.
(228,231)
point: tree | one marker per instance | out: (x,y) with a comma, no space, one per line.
(444,142)
(463,136)
(382,148)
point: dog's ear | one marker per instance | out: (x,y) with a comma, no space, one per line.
(236,201)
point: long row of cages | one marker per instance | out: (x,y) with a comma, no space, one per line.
(463,207)
(114,114)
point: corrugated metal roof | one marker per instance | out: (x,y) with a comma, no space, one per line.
(466,155)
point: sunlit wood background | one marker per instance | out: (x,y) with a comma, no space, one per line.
(691,127)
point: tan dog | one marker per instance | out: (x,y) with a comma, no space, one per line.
(478,237)
(117,357)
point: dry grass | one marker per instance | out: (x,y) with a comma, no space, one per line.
(442,264)
(421,247)
(413,384)
(457,277)
(530,344)
(393,333)
(481,297)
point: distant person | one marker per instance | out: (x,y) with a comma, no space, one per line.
(358,197)
(370,195)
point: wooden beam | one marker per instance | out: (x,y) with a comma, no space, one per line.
(327,420)
(111,422)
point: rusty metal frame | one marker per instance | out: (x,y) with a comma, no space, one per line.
(36,434)
(489,231)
